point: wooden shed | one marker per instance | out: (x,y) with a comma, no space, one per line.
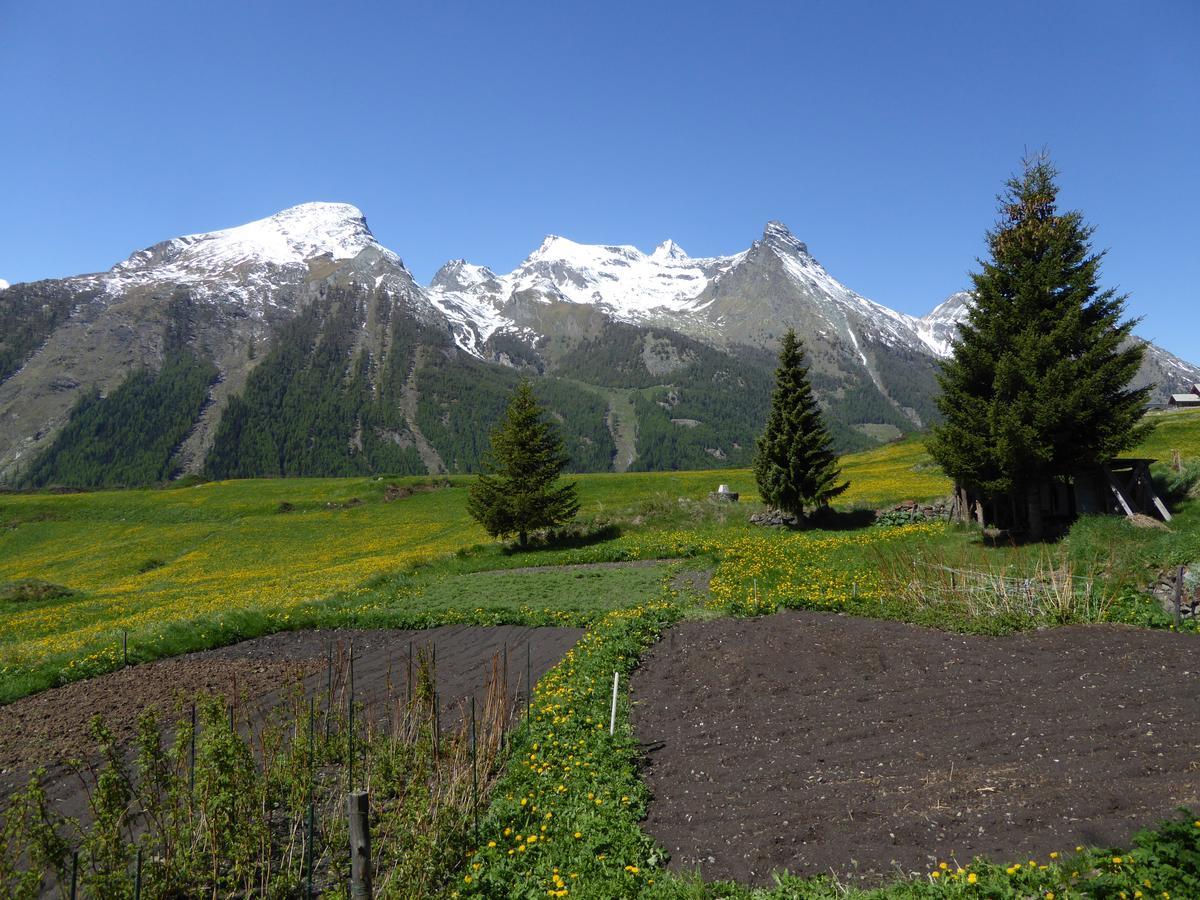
(1123,486)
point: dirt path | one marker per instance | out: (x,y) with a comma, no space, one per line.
(51,728)
(816,742)
(580,567)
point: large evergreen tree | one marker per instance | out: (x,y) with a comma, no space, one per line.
(517,492)
(795,466)
(1038,386)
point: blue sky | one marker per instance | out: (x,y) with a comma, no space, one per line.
(880,132)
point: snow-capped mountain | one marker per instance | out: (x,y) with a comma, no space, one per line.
(308,300)
(939,327)
(223,293)
(715,299)
(254,263)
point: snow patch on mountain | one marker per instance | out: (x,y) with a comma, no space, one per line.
(622,278)
(939,327)
(3,284)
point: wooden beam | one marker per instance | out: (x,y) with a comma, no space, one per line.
(1119,493)
(1148,496)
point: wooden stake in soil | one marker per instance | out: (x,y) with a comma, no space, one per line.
(357,810)
(328,687)
(192,756)
(74,875)
(474,773)
(125,646)
(312,783)
(1179,597)
(350,726)
(408,681)
(504,703)
(612,721)
(437,727)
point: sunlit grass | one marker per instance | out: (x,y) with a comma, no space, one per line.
(194,566)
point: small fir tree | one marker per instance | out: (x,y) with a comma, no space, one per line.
(1038,386)
(516,493)
(795,466)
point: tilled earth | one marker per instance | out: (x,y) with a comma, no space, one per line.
(50,729)
(820,743)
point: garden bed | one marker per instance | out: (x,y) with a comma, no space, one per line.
(51,728)
(821,743)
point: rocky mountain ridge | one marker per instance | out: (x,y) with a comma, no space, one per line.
(643,341)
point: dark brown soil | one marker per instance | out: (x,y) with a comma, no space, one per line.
(815,742)
(51,728)
(582,567)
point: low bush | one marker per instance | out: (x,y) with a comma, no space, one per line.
(32,590)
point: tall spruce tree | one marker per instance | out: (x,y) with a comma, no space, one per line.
(1038,386)
(516,493)
(795,466)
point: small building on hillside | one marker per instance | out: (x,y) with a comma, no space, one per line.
(1122,487)
(1191,398)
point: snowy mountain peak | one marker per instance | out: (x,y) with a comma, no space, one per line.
(779,236)
(294,236)
(556,248)
(939,327)
(668,249)
(460,275)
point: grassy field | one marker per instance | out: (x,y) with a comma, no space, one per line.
(191,567)
(195,566)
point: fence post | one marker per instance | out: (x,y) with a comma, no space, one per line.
(192,757)
(137,877)
(357,810)
(349,727)
(312,781)
(437,728)
(504,704)
(612,722)
(328,687)
(474,772)
(125,646)
(74,875)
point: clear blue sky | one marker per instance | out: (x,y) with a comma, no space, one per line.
(880,132)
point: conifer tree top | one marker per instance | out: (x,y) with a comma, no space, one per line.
(1038,386)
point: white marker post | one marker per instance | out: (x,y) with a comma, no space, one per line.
(612,721)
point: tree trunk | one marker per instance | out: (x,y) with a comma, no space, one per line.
(523,539)
(1036,530)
